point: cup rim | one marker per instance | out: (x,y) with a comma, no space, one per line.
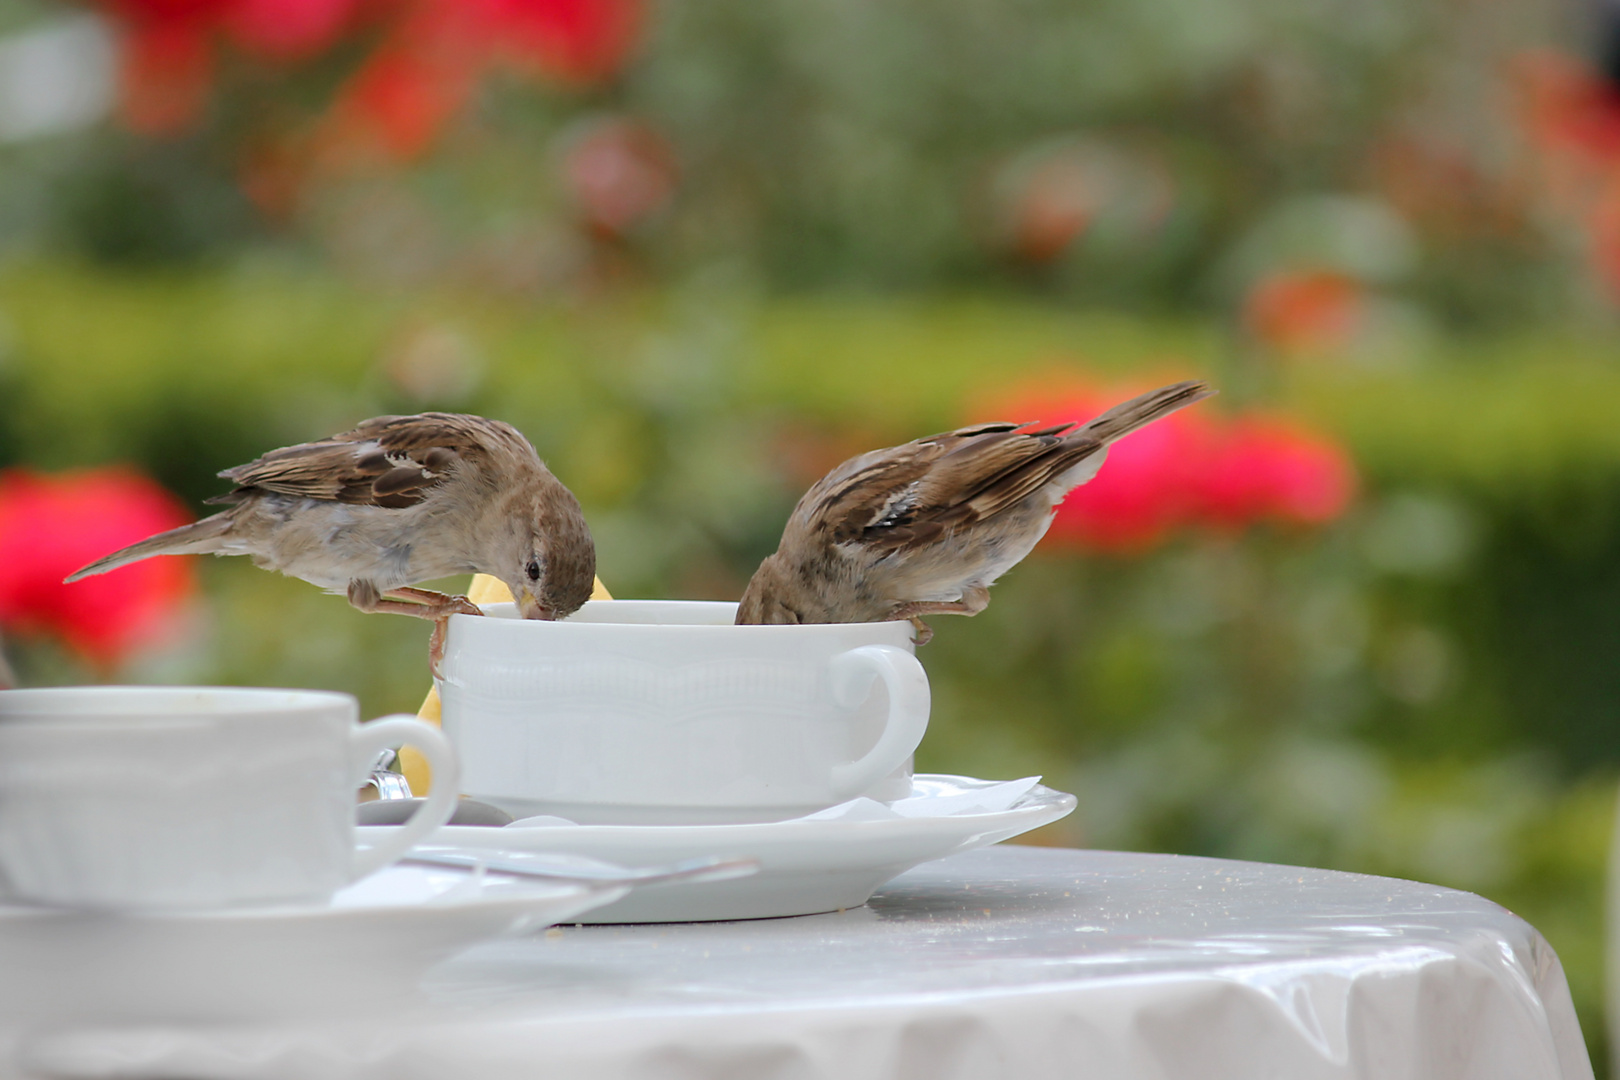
(506,612)
(173,704)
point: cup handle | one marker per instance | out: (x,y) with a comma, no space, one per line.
(366,743)
(907,683)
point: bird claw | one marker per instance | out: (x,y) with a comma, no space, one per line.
(925,633)
(460,605)
(451,605)
(436,647)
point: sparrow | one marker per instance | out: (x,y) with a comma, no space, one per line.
(397,500)
(926,528)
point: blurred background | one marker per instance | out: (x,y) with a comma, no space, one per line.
(1361,611)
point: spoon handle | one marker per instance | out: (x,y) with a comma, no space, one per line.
(707,868)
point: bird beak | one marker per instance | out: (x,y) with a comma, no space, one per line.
(530,608)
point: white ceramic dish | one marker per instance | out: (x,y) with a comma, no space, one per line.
(665,712)
(364,949)
(806,866)
(194,797)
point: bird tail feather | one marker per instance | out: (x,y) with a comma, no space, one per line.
(1126,418)
(198,538)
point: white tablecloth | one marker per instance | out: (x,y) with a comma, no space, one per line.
(1008,962)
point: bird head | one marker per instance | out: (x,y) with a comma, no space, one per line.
(551,570)
(762,603)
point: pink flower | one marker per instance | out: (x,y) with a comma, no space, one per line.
(1192,469)
(50,525)
(1150,483)
(1267,468)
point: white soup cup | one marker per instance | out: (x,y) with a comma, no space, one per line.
(663,712)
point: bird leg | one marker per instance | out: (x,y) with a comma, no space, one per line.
(439,608)
(975,598)
(436,646)
(407,600)
(438,604)
(421,603)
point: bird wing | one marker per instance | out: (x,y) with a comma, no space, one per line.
(911,495)
(996,479)
(388,461)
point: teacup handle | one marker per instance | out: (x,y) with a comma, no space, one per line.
(371,739)
(907,683)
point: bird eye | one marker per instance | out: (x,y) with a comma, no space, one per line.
(533,569)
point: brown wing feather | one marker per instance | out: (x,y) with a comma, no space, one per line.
(843,507)
(975,477)
(1007,489)
(390,461)
(912,495)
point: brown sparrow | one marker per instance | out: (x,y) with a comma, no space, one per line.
(397,500)
(926,528)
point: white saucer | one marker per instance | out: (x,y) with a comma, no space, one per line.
(806,865)
(363,950)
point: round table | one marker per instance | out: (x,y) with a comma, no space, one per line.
(1012,961)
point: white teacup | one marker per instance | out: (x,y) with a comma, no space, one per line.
(663,712)
(135,797)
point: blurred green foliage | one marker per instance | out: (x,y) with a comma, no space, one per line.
(1425,689)
(847,144)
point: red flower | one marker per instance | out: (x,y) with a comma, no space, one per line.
(287,30)
(1572,113)
(575,41)
(160,11)
(52,525)
(432,59)
(166,73)
(421,67)
(1191,469)
(402,98)
(1570,108)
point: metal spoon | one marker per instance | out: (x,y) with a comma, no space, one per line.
(707,868)
(396,811)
